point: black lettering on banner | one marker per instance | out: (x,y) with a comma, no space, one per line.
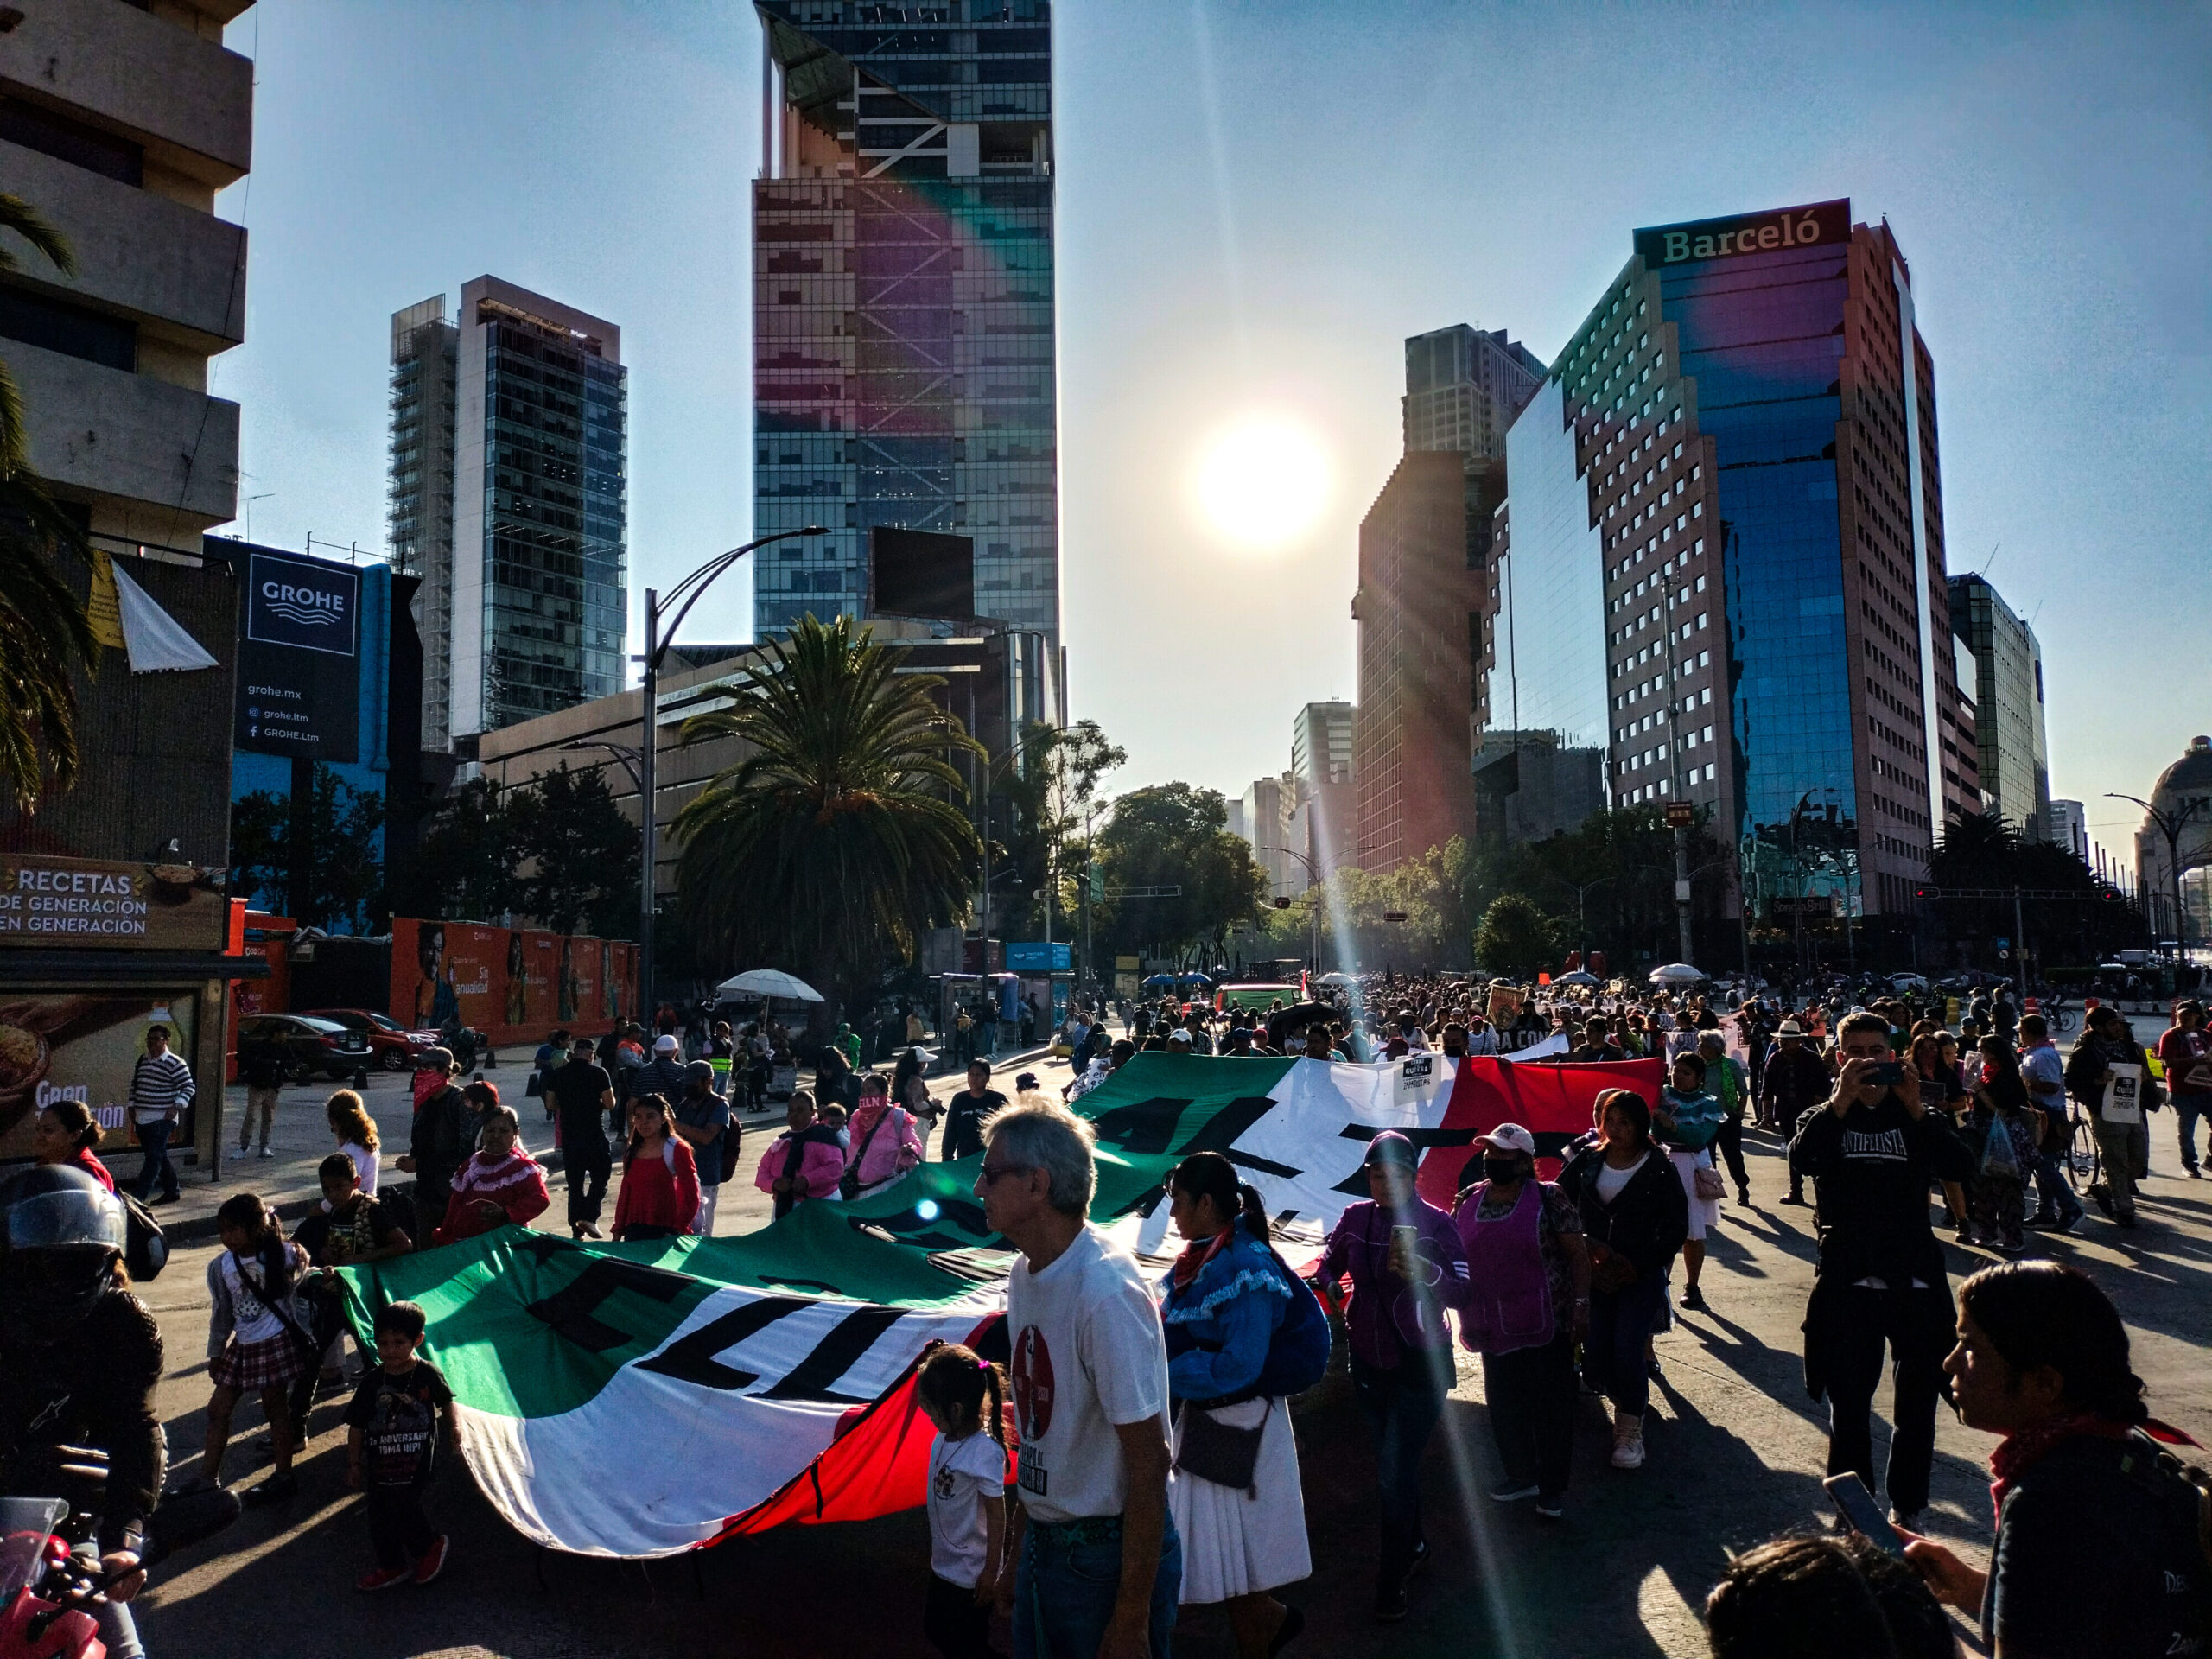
(1355,1183)
(690,1358)
(833,1356)
(570,1310)
(1143,1128)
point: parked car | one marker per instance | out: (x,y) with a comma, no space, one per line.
(311,1045)
(392,1045)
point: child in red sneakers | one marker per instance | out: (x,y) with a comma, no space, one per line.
(392,1445)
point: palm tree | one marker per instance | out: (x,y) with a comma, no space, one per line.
(837,839)
(43,631)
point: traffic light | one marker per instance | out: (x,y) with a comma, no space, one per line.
(1925,891)
(1282,902)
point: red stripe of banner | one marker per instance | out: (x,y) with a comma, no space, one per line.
(1550,1100)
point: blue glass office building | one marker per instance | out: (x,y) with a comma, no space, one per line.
(1726,554)
(903,303)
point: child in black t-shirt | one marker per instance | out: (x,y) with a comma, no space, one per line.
(392,1445)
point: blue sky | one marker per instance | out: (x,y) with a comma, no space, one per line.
(1259,199)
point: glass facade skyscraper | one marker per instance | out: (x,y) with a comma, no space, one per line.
(903,300)
(1749,417)
(2006,686)
(507,496)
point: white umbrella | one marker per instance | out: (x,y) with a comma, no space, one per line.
(1577,977)
(1677,973)
(769,981)
(1339,979)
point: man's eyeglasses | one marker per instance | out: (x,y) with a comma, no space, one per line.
(990,1176)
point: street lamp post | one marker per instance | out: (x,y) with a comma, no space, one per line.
(2170,825)
(682,597)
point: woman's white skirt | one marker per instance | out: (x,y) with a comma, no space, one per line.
(1238,1542)
(1704,1212)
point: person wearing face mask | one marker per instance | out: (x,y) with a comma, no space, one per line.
(1525,1304)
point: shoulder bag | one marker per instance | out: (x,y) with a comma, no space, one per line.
(1215,1451)
(848,1184)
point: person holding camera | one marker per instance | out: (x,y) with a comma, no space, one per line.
(1880,1280)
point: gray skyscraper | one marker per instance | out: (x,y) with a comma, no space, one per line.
(2007,689)
(903,271)
(508,498)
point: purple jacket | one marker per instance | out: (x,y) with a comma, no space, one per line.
(1386,1315)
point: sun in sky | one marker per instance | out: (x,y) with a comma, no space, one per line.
(1261,481)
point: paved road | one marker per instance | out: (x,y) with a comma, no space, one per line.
(1736,1450)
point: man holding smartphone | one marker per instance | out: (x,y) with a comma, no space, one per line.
(1880,1281)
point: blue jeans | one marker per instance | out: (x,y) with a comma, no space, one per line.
(1613,1354)
(1066,1584)
(2054,1198)
(2187,1109)
(1402,1405)
(154,1141)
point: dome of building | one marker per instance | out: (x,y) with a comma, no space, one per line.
(2190,775)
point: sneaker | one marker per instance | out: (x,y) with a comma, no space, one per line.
(382,1578)
(1512,1492)
(2069,1224)
(1908,1520)
(1553,1508)
(2195,1173)
(166,1197)
(2011,1246)
(1743,1197)
(2102,1196)
(1693,1296)
(1629,1453)
(267,1153)
(275,1489)
(432,1560)
(1794,1197)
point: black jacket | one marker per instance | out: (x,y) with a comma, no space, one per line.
(97,1382)
(443,1136)
(1874,1164)
(1648,1219)
(2085,1072)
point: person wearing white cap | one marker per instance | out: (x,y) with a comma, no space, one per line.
(1525,1303)
(663,1075)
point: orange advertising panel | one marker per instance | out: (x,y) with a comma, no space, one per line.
(516,984)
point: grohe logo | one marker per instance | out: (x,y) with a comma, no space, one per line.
(309,606)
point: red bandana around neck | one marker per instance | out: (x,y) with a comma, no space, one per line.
(1198,1253)
(2023,1449)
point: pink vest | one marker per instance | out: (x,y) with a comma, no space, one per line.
(1507,1301)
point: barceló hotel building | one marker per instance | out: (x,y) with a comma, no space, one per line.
(1725,557)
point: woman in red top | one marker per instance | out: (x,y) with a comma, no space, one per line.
(64,1133)
(499,1184)
(660,1179)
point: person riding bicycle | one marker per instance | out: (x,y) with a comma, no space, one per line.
(79,1360)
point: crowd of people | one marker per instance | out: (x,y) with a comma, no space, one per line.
(1155,1466)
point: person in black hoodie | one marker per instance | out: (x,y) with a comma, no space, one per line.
(442,1140)
(1880,1280)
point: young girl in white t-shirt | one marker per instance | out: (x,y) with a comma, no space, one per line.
(965,1397)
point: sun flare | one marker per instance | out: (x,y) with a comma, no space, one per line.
(1262,482)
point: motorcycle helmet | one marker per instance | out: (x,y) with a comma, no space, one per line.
(61,1232)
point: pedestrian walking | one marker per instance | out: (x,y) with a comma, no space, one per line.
(660,1179)
(394,1425)
(257,1341)
(160,1088)
(500,1184)
(1236,1500)
(581,1095)
(441,1139)
(2110,1075)
(1879,1281)
(1685,1122)
(966,1112)
(2098,1548)
(261,1068)
(355,1131)
(2045,1076)
(886,1143)
(2003,1138)
(2185,1051)
(1797,1081)
(1635,1217)
(963,1395)
(1724,1079)
(702,1120)
(1407,1266)
(1098,1565)
(804,1161)
(1525,1307)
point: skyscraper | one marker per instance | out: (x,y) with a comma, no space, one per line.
(1727,553)
(1426,593)
(903,299)
(507,495)
(2011,754)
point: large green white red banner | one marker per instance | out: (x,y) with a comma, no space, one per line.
(762,1380)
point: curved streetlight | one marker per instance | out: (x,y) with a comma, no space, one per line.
(2170,825)
(687,592)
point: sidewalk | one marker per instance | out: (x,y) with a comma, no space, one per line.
(301,1139)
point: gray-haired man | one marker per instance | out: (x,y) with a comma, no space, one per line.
(1098,1561)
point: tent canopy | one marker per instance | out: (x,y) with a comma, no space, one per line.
(769,981)
(1677,973)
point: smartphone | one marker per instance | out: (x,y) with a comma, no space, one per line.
(1406,1238)
(1888,1072)
(1865,1515)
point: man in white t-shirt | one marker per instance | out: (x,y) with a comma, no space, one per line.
(1097,1562)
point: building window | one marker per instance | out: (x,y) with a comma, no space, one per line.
(72,330)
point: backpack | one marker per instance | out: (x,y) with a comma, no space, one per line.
(145,1248)
(1298,1353)
(732,1139)
(2182,1492)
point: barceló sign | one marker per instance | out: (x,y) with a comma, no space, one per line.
(1727,238)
